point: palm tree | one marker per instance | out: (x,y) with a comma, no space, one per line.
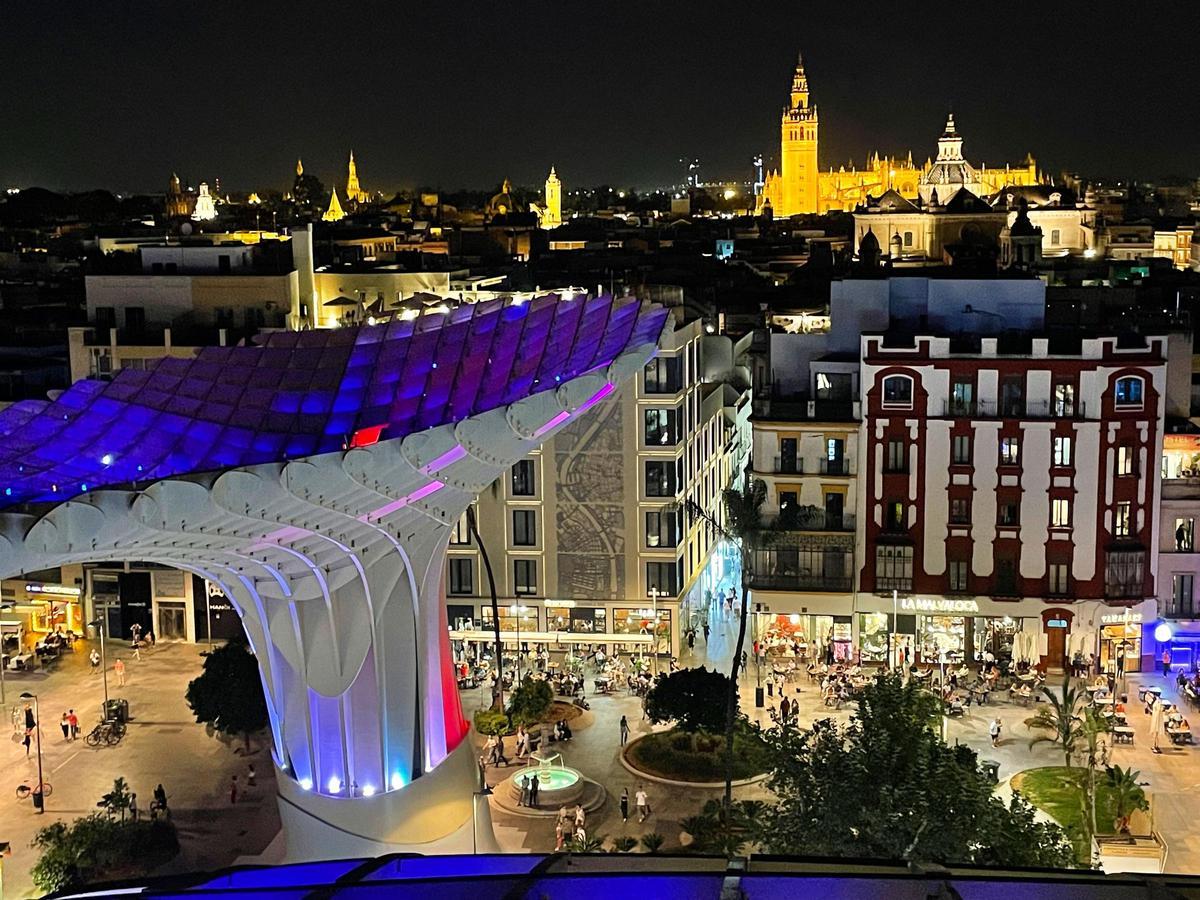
(1126,795)
(1061,718)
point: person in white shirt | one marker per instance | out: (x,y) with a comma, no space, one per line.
(643,804)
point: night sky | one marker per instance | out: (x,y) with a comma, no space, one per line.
(456,94)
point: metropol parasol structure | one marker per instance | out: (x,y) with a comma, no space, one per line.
(315,478)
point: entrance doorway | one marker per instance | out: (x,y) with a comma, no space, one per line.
(171,622)
(1056,625)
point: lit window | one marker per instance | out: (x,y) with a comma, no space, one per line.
(959,573)
(897,391)
(1121,519)
(960,510)
(1060,513)
(962,449)
(1059,575)
(1062,451)
(1010,451)
(1125,459)
(1129,391)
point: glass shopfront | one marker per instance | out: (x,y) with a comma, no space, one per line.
(873,633)
(942,638)
(638,621)
(1117,639)
(528,616)
(576,619)
(994,635)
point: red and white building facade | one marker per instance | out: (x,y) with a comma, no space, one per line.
(1007,495)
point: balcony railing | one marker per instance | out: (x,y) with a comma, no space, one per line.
(791,465)
(801,582)
(1013,409)
(836,467)
(815,519)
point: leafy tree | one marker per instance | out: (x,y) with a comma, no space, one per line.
(718,830)
(228,693)
(491,721)
(100,848)
(886,786)
(692,698)
(1125,796)
(530,701)
(1061,719)
(116,800)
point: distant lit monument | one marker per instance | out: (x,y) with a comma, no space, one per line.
(334,213)
(354,191)
(552,213)
(177,205)
(205,210)
(502,203)
(799,186)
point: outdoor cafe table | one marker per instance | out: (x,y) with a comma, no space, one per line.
(1103,701)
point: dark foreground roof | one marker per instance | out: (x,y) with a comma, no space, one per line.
(578,876)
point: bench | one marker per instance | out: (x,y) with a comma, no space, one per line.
(1122,734)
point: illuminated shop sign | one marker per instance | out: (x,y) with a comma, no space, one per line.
(938,605)
(58,590)
(1121,618)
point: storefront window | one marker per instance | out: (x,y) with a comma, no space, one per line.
(873,637)
(508,620)
(942,638)
(558,618)
(638,621)
(1117,640)
(994,635)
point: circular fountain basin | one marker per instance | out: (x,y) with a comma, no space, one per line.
(557,785)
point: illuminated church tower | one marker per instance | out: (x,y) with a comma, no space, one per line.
(354,192)
(798,152)
(552,216)
(334,213)
(205,208)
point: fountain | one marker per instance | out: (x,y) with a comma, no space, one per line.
(558,785)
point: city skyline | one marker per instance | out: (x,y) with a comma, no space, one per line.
(615,95)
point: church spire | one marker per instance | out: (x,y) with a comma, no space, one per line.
(299,168)
(799,92)
(334,213)
(354,191)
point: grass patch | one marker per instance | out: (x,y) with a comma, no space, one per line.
(1058,791)
(697,757)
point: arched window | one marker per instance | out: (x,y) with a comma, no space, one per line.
(898,391)
(1129,392)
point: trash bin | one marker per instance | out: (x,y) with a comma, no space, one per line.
(38,800)
(758,698)
(116,710)
(991,769)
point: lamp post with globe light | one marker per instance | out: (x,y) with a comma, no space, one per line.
(39,794)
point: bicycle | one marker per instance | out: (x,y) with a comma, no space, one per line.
(107,732)
(25,789)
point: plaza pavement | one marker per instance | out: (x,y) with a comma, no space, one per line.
(163,744)
(1172,776)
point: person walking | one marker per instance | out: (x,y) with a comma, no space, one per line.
(74,721)
(704,628)
(251,776)
(785,709)
(27,740)
(625,804)
(691,640)
(233,791)
(94,659)
(1166,660)
(526,790)
(534,784)
(160,798)
(558,835)
(624,730)
(643,803)
(994,731)
(119,671)
(580,816)
(65,724)
(1156,724)
(133,807)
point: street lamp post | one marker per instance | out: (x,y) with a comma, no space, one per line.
(98,624)
(654,629)
(38,793)
(517,611)
(892,631)
(3,666)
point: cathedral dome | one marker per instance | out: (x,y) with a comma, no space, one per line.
(502,203)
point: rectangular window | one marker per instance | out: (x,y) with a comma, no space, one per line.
(1121,517)
(135,318)
(1062,451)
(661,427)
(897,456)
(1058,577)
(962,449)
(662,528)
(962,399)
(106,317)
(660,478)
(1124,572)
(462,575)
(663,375)
(1006,577)
(1064,399)
(1008,512)
(893,567)
(897,391)
(1012,397)
(1060,513)
(959,575)
(524,528)
(460,535)
(660,576)
(1129,392)
(895,517)
(1125,459)
(525,576)
(1055,237)
(522,478)
(1010,451)
(908,238)
(1185,535)
(1181,596)
(960,510)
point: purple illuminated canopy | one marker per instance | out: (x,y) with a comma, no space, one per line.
(304,393)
